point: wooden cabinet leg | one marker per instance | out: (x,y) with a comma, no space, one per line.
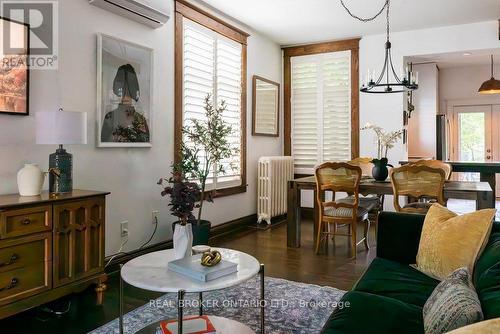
(99,289)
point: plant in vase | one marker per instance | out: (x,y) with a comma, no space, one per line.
(206,150)
(385,141)
(183,198)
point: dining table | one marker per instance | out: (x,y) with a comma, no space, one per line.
(479,191)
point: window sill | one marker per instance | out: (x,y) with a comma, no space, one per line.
(230,191)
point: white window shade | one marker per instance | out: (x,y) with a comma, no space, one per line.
(212,64)
(321,109)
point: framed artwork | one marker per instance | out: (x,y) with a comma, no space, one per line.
(265,107)
(124,93)
(14,70)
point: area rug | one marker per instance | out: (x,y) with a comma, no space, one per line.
(291,307)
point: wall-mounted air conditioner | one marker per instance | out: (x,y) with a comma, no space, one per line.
(153,13)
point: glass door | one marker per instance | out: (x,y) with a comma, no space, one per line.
(473,136)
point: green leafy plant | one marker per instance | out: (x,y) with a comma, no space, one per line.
(183,196)
(205,144)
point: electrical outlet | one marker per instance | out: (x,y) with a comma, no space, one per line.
(155,215)
(124,229)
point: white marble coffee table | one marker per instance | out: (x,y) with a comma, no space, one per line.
(150,272)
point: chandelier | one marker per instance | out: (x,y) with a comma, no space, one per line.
(388,81)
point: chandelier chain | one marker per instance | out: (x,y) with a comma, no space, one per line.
(388,20)
(386,4)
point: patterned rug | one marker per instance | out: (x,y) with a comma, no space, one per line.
(291,307)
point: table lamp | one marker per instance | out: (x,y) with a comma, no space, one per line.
(60,128)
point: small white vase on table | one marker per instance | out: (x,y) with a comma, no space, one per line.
(30,180)
(183,240)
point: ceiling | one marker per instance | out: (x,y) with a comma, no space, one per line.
(460,59)
(289,22)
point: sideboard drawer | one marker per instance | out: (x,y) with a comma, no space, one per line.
(25,267)
(22,252)
(24,282)
(18,222)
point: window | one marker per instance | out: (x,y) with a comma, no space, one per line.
(321,118)
(321,109)
(210,61)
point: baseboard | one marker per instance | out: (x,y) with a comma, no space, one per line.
(263,225)
(232,227)
(223,230)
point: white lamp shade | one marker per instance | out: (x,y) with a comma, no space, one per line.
(61,127)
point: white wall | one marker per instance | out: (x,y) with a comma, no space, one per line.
(422,124)
(462,83)
(130,174)
(386,110)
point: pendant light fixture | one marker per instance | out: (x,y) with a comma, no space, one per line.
(388,81)
(491,86)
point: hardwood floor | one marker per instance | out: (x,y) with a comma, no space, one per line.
(333,268)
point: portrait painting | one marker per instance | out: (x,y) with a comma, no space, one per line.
(124,91)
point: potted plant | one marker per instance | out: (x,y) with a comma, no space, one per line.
(183,197)
(385,141)
(205,144)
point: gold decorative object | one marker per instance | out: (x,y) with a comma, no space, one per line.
(210,259)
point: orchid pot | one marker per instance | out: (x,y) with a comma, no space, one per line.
(379,170)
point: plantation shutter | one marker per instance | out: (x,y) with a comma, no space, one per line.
(321,109)
(212,65)
(228,89)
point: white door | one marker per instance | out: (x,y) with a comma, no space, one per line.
(473,140)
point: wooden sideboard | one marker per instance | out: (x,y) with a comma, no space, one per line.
(50,246)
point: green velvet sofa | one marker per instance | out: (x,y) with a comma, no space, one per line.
(390,295)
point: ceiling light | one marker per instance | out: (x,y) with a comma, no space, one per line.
(466,54)
(491,86)
(388,81)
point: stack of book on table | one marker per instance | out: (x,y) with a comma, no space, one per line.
(190,325)
(190,266)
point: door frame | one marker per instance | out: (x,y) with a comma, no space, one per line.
(488,127)
(450,116)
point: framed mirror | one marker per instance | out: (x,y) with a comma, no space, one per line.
(265,108)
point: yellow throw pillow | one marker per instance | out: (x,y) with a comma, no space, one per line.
(450,241)
(484,327)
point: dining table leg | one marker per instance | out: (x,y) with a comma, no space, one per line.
(485,200)
(293,215)
(316,216)
(491,179)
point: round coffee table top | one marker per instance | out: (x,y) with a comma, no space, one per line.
(150,272)
(222,325)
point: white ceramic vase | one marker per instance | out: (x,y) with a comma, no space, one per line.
(183,240)
(30,180)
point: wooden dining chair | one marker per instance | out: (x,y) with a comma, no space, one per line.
(340,177)
(374,203)
(435,164)
(417,182)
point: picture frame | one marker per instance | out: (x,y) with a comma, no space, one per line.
(265,107)
(15,76)
(124,93)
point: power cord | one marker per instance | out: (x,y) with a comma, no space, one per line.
(119,252)
(126,240)
(152,235)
